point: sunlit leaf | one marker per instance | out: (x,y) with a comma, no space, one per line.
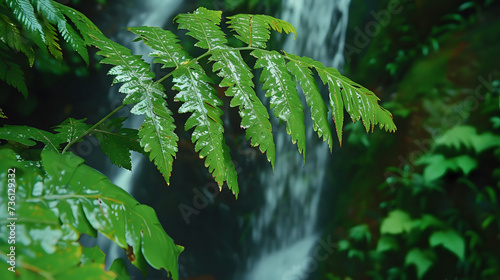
(422,260)
(386,243)
(397,222)
(449,239)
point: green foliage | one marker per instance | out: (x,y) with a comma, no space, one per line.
(424,226)
(56,200)
(254,30)
(77,199)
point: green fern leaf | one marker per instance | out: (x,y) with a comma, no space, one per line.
(12,74)
(165,46)
(319,110)
(158,137)
(157,131)
(200,98)
(70,130)
(203,25)
(52,39)
(237,76)
(283,93)
(2,114)
(358,101)
(254,30)
(25,14)
(81,22)
(54,15)
(12,36)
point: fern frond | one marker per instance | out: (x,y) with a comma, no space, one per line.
(12,74)
(319,110)
(25,14)
(359,102)
(203,25)
(157,131)
(11,35)
(200,98)
(52,13)
(51,39)
(282,90)
(254,30)
(237,76)
(81,22)
(70,130)
(164,43)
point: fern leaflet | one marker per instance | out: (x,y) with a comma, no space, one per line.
(54,15)
(319,111)
(11,34)
(201,100)
(203,25)
(12,74)
(157,131)
(164,43)
(359,102)
(283,93)
(52,39)
(237,76)
(254,30)
(25,14)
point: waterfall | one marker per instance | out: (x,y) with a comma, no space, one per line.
(285,227)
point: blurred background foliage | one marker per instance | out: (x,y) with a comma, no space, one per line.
(422,203)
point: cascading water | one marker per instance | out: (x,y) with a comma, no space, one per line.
(284,229)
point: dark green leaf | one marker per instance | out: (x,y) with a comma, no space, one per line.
(422,260)
(451,240)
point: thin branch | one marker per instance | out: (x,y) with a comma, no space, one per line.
(93,127)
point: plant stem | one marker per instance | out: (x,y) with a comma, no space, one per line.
(93,127)
(202,56)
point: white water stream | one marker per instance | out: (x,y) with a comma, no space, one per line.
(285,226)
